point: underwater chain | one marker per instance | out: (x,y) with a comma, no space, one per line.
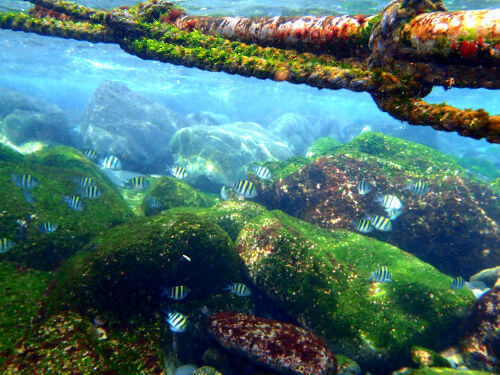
(397,56)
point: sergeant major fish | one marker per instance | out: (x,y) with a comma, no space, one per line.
(389,202)
(74,202)
(138,183)
(262,172)
(85,181)
(111,162)
(179,172)
(176,321)
(418,188)
(6,245)
(457,283)
(48,227)
(92,192)
(364,187)
(381,275)
(245,189)
(178,292)
(381,223)
(363,225)
(91,154)
(26,181)
(239,289)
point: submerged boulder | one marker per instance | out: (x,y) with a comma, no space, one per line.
(26,210)
(456,219)
(223,153)
(137,129)
(480,341)
(321,278)
(283,347)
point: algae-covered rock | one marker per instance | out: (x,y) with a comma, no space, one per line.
(20,299)
(424,357)
(456,219)
(69,343)
(206,370)
(323,146)
(56,171)
(123,274)
(482,168)
(321,279)
(346,366)
(444,371)
(170,192)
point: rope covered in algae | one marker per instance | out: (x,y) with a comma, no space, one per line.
(377,61)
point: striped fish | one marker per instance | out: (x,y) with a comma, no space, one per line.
(457,283)
(364,187)
(363,225)
(381,223)
(177,292)
(262,172)
(245,189)
(381,275)
(418,188)
(177,321)
(90,154)
(28,195)
(74,202)
(6,245)
(138,183)
(92,192)
(48,227)
(153,202)
(179,172)
(389,202)
(239,289)
(111,162)
(85,181)
(26,181)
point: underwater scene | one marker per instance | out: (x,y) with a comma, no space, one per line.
(250,187)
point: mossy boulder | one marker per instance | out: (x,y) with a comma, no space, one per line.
(323,146)
(424,357)
(321,279)
(122,273)
(171,192)
(20,299)
(56,169)
(482,168)
(444,371)
(456,219)
(68,343)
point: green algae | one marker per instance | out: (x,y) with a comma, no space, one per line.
(424,357)
(69,343)
(395,154)
(482,168)
(21,296)
(445,371)
(321,279)
(323,146)
(172,192)
(281,169)
(56,169)
(127,265)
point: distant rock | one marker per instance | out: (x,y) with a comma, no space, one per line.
(297,131)
(25,118)
(223,153)
(488,276)
(281,346)
(137,129)
(207,118)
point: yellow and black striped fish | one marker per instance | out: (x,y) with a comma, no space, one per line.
(381,223)
(92,192)
(363,225)
(179,172)
(177,321)
(111,162)
(262,172)
(25,180)
(85,181)
(90,154)
(239,289)
(381,275)
(457,283)
(6,245)
(389,202)
(245,189)
(177,292)
(418,188)
(138,183)
(74,202)
(48,227)
(364,187)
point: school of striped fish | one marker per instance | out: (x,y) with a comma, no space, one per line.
(242,189)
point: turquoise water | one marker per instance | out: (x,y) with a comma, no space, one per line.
(119,275)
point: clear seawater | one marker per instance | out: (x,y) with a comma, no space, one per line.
(66,73)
